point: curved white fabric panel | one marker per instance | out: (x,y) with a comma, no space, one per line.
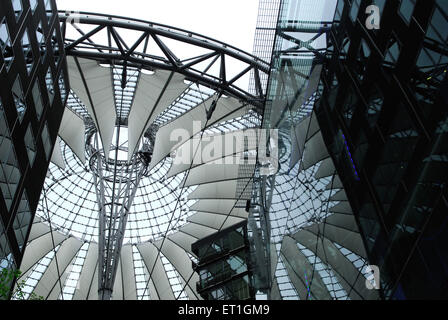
(117,293)
(298,138)
(196,230)
(39,248)
(37,230)
(311,86)
(343,221)
(278,105)
(335,183)
(56,156)
(183,128)
(274,258)
(326,169)
(331,255)
(315,150)
(72,131)
(177,257)
(183,240)
(220,206)
(100,89)
(219,190)
(128,276)
(84,288)
(196,152)
(162,285)
(154,93)
(339,196)
(215,221)
(93,291)
(50,279)
(215,172)
(344,237)
(342,207)
(297,265)
(151,288)
(275,292)
(56,292)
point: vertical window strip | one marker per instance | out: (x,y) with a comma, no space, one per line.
(174,279)
(285,286)
(141,275)
(72,282)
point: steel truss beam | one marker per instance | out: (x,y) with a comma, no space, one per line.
(115,50)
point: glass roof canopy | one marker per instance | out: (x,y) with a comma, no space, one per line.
(72,203)
(161,217)
(156,196)
(165,218)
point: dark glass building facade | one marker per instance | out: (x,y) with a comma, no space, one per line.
(359,99)
(383,114)
(33,91)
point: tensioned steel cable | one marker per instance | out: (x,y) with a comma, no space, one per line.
(288,110)
(223,223)
(53,243)
(220,228)
(177,201)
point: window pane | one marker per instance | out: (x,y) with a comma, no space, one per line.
(46,141)
(354,10)
(19,100)
(30,144)
(33,5)
(37,98)
(27,51)
(406,9)
(22,221)
(9,171)
(50,85)
(5,44)
(18,8)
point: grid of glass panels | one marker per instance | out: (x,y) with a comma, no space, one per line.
(22,220)
(264,37)
(30,144)
(174,278)
(19,98)
(9,171)
(72,201)
(6,44)
(286,289)
(74,272)
(141,275)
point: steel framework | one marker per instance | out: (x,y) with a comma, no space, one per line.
(117,181)
(118,51)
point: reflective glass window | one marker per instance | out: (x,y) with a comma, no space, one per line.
(30,144)
(18,8)
(406,9)
(27,51)
(5,44)
(22,221)
(46,140)
(37,98)
(19,99)
(50,85)
(354,9)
